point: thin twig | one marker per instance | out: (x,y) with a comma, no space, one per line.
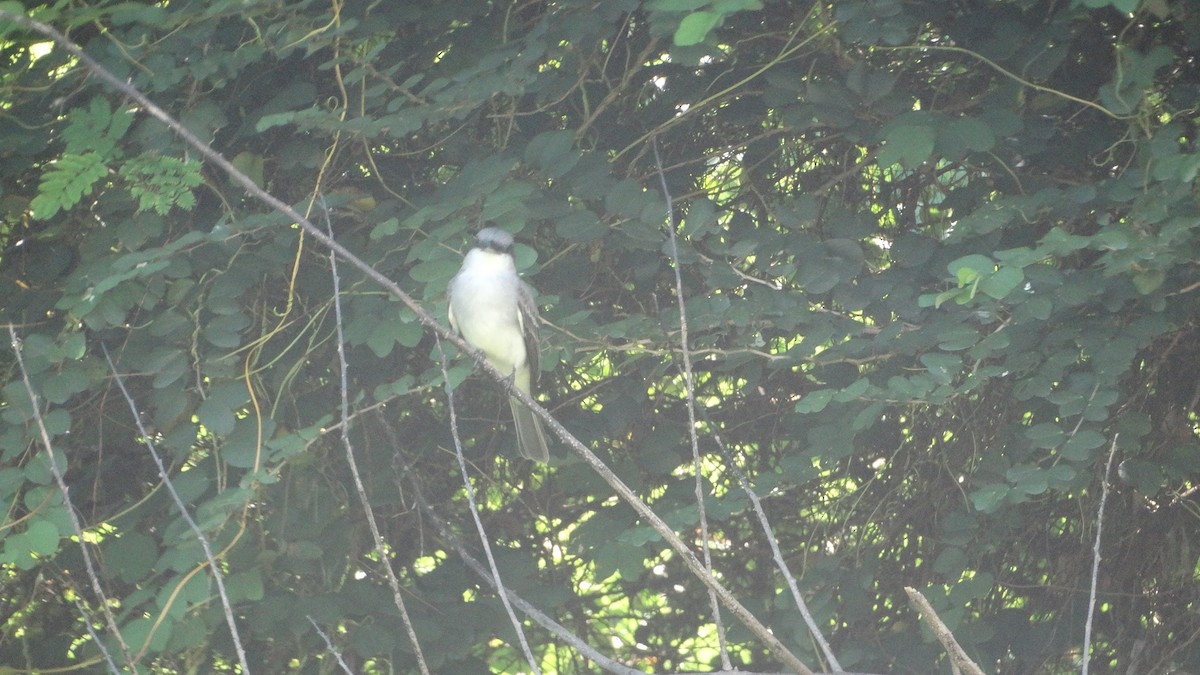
(376,537)
(87,623)
(329,646)
(775,551)
(533,613)
(55,469)
(958,657)
(777,648)
(689,388)
(1087,627)
(183,511)
(496,581)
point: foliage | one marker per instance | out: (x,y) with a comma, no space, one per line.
(938,258)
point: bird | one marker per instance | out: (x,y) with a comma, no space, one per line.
(493,309)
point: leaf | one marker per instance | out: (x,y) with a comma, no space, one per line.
(66,183)
(252,165)
(989,498)
(974,133)
(908,144)
(1002,282)
(1149,281)
(943,368)
(130,556)
(552,152)
(1045,435)
(225,331)
(1079,447)
(853,391)
(695,27)
(978,265)
(815,402)
(61,386)
(951,561)
(217,411)
(42,538)
(676,5)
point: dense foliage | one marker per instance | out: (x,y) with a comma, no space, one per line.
(939,259)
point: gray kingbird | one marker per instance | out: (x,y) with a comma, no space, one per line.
(493,309)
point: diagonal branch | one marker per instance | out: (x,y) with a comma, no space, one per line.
(55,469)
(376,537)
(495,579)
(183,511)
(689,385)
(1087,627)
(726,597)
(776,553)
(958,657)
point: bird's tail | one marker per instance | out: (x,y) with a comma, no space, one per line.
(531,440)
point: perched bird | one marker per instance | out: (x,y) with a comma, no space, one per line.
(493,309)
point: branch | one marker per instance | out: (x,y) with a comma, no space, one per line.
(727,598)
(183,511)
(495,579)
(87,623)
(380,545)
(777,554)
(958,657)
(1087,627)
(329,645)
(55,469)
(536,615)
(689,389)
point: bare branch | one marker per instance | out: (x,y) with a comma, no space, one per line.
(495,580)
(329,646)
(55,469)
(776,553)
(377,538)
(87,623)
(958,657)
(1087,627)
(777,648)
(690,390)
(183,511)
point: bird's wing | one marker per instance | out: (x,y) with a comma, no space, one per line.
(450,304)
(528,319)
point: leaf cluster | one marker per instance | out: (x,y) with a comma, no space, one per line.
(935,258)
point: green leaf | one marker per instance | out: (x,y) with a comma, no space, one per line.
(66,183)
(1002,282)
(971,267)
(973,133)
(252,164)
(61,386)
(42,538)
(989,498)
(130,556)
(440,269)
(853,391)
(1149,281)
(217,411)
(1079,447)
(676,5)
(816,401)
(1045,435)
(908,144)
(943,368)
(695,27)
(950,561)
(552,152)
(242,446)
